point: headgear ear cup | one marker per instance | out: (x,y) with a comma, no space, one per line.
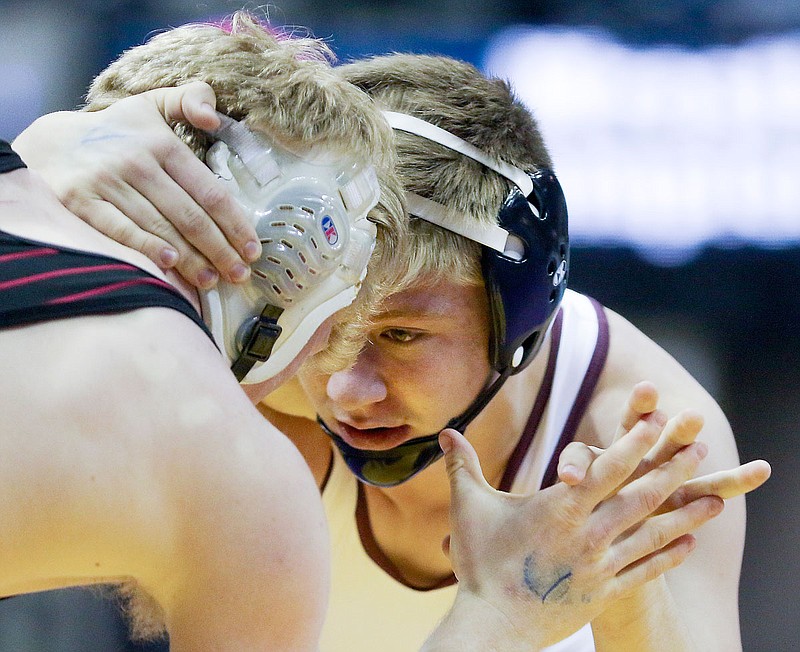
(525,292)
(522,254)
(310,213)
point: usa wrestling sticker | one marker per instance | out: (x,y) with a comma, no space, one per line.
(329,230)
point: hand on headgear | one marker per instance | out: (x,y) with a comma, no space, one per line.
(310,213)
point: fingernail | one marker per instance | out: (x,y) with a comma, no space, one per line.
(251,250)
(573,471)
(205,107)
(445,442)
(239,272)
(702,449)
(169,257)
(207,278)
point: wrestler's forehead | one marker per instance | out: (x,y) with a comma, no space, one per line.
(433,300)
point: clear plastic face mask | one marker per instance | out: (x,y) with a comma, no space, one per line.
(310,214)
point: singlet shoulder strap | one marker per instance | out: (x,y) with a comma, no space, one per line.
(579,361)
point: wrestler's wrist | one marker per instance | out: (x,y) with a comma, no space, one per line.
(474,624)
(646,618)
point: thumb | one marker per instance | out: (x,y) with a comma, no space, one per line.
(194,103)
(461,461)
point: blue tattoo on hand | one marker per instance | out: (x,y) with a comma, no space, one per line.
(545,588)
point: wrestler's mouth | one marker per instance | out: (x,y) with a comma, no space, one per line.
(372,438)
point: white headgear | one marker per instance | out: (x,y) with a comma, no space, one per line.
(310,213)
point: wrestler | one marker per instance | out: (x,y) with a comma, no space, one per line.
(482,334)
(129,453)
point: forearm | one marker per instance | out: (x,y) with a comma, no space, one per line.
(647,620)
(474,625)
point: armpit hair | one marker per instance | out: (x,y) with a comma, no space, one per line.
(145,617)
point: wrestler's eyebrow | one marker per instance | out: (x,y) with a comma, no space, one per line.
(413,313)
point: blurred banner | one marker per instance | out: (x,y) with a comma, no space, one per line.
(665,149)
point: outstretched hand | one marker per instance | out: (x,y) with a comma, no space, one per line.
(124,171)
(680,431)
(549,562)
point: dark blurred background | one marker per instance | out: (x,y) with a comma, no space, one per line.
(674,130)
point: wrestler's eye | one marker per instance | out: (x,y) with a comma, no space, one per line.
(400,335)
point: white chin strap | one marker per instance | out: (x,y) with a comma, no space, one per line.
(310,213)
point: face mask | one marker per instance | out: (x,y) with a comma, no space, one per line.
(310,213)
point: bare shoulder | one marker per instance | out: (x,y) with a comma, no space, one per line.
(705,587)
(145,459)
(634,357)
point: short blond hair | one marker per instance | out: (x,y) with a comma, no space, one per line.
(484,111)
(284,86)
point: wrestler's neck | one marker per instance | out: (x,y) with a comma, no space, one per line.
(185,288)
(30,209)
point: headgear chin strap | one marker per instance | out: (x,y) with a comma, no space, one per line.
(310,213)
(525,260)
(388,468)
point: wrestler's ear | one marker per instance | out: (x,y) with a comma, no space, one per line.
(193,103)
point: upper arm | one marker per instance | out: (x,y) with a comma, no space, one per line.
(252,536)
(147,461)
(706,586)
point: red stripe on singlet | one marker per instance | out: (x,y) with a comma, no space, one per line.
(105,289)
(33,253)
(5,285)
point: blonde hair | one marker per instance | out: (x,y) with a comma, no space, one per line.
(285,87)
(457,97)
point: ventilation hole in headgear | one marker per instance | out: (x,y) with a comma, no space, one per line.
(289,273)
(514,248)
(553,294)
(551,267)
(311,270)
(277,223)
(300,286)
(308,210)
(314,243)
(276,289)
(287,244)
(562,250)
(259,273)
(265,240)
(299,228)
(273,260)
(286,207)
(302,256)
(326,257)
(535,210)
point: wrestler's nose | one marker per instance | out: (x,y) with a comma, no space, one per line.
(359,386)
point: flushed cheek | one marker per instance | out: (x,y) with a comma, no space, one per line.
(436,394)
(315,388)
